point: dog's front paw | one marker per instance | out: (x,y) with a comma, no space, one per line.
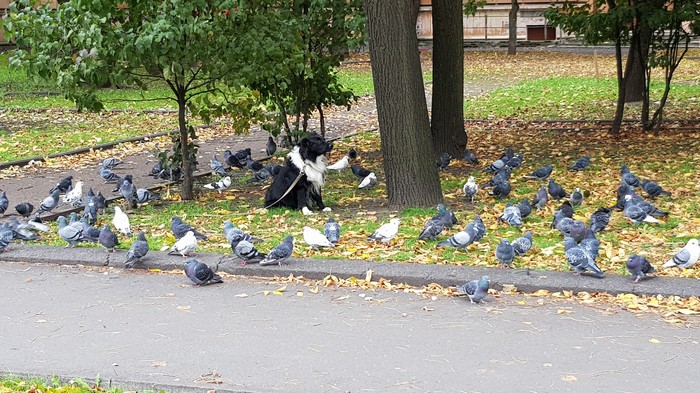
(326,209)
(306,211)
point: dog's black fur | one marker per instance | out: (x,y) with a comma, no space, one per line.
(311,154)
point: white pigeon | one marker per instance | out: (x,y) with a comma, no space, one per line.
(74,197)
(340,164)
(686,257)
(185,245)
(369,181)
(386,232)
(121,221)
(315,238)
(220,185)
(470,188)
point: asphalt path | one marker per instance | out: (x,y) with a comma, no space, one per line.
(135,328)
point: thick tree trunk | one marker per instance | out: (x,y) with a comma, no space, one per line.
(513,27)
(187,190)
(447,121)
(620,106)
(635,84)
(409,164)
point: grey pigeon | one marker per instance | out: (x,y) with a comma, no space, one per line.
(4,203)
(496,166)
(470,189)
(280,253)
(576,197)
(24,209)
(444,161)
(580,260)
(180,229)
(70,233)
(522,244)
(270,146)
(200,273)
(599,219)
(253,165)
(628,177)
(686,257)
(216,166)
(505,253)
(525,208)
(50,202)
(578,230)
(234,234)
(540,198)
(565,210)
(447,216)
(90,211)
(232,160)
(648,208)
(653,189)
(515,161)
(470,157)
(635,213)
(511,216)
(108,176)
(243,154)
(479,228)
(590,244)
(580,164)
(332,230)
(137,251)
(622,191)
(25,231)
(247,252)
(63,186)
(432,229)
(563,224)
(110,162)
(540,173)
(4,243)
(460,239)
(476,290)
(144,196)
(500,190)
(639,267)
(262,175)
(108,239)
(555,190)
(498,177)
(90,233)
(128,191)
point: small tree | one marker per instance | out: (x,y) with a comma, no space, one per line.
(314,37)
(195,47)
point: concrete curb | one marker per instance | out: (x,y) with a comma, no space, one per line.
(125,384)
(397,272)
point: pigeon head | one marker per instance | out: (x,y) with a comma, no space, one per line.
(471,179)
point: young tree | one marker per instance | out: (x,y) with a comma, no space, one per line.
(447,120)
(409,164)
(513,27)
(195,47)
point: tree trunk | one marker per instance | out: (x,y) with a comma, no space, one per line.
(187,190)
(635,85)
(409,164)
(513,27)
(447,122)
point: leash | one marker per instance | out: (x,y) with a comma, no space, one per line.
(294,183)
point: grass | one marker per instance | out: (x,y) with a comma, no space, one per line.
(13,384)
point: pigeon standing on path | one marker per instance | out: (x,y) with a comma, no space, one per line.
(247,252)
(74,197)
(63,186)
(24,209)
(639,267)
(200,273)
(280,253)
(49,203)
(137,251)
(686,257)
(579,259)
(270,146)
(476,290)
(216,166)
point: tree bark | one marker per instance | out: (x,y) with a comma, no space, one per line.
(187,192)
(513,27)
(447,121)
(409,164)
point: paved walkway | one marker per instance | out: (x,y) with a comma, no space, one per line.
(140,330)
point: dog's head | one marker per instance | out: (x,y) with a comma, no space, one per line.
(314,146)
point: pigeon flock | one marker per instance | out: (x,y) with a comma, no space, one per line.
(581,247)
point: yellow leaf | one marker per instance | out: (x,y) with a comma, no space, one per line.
(278,293)
(154,270)
(561,311)
(314,289)
(281,289)
(685,311)
(300,293)
(266,293)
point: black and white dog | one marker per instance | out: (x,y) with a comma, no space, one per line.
(308,158)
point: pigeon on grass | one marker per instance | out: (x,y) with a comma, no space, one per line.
(72,234)
(340,165)
(432,229)
(505,253)
(444,161)
(280,253)
(121,221)
(314,238)
(555,190)
(180,228)
(476,290)
(185,245)
(144,196)
(522,244)
(470,157)
(232,233)
(540,173)
(540,198)
(581,163)
(332,230)
(686,257)
(220,185)
(511,216)
(599,219)
(470,189)
(653,189)
(639,267)
(386,232)
(461,239)
(200,273)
